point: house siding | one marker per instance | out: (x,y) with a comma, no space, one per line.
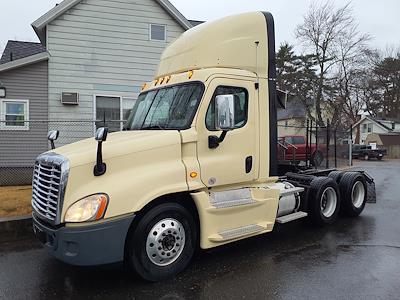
(103,48)
(20,148)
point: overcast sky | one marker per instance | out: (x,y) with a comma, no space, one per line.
(379,18)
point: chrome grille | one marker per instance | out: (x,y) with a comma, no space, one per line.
(48,184)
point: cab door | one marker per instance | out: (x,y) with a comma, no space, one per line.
(235,160)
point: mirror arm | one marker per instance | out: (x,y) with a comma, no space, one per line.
(214,141)
(100,167)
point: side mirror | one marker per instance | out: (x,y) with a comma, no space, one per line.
(53,136)
(225,112)
(101,134)
(100,167)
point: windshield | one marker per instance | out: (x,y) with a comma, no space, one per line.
(167,108)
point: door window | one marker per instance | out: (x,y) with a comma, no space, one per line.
(241,106)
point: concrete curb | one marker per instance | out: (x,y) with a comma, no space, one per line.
(15,224)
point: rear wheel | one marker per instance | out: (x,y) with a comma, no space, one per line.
(380,157)
(323,201)
(162,243)
(353,189)
(366,156)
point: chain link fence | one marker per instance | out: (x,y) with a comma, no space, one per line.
(309,146)
(22,141)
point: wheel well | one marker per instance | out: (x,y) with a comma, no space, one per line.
(183,199)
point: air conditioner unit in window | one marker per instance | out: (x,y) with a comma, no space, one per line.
(70,98)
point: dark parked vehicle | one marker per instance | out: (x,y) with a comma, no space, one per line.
(366,152)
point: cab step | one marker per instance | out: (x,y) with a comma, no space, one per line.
(291,217)
(240,232)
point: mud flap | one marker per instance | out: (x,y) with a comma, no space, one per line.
(371,196)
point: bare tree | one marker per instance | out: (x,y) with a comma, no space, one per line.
(321,30)
(350,74)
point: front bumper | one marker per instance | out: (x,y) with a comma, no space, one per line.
(87,245)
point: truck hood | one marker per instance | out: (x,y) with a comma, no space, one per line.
(118,144)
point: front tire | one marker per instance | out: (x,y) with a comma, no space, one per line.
(162,243)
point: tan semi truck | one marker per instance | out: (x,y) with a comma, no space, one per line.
(196,164)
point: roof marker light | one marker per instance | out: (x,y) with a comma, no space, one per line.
(190,74)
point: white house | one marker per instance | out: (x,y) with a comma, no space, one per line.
(368,125)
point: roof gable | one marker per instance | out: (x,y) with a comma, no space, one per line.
(377,122)
(40,24)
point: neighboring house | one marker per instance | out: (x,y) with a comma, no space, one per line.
(24,74)
(93,58)
(389,141)
(292,119)
(368,125)
(101,52)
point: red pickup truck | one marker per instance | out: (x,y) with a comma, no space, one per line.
(294,148)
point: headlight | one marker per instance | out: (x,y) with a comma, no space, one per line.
(91,208)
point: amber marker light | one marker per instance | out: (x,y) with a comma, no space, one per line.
(102,209)
(168,78)
(190,74)
(144,86)
(194,175)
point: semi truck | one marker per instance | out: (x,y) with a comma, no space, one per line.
(194,168)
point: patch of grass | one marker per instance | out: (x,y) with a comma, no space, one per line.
(15,201)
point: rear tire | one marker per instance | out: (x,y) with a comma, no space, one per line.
(353,189)
(323,201)
(162,243)
(380,158)
(366,157)
(336,176)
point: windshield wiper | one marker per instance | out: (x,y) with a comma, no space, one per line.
(152,127)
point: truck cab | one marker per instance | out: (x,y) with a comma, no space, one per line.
(195,166)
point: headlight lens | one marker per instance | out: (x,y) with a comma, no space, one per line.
(91,208)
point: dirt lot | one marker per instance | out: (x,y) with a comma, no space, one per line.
(15,201)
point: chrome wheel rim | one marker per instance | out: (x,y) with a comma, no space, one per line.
(165,242)
(358,194)
(328,202)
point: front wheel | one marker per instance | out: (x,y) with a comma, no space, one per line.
(162,243)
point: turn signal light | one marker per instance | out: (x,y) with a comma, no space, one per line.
(194,175)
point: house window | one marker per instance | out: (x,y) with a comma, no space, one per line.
(112,112)
(158,32)
(370,127)
(14,114)
(364,128)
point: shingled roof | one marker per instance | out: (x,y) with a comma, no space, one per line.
(16,50)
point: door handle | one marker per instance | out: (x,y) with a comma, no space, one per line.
(249,164)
